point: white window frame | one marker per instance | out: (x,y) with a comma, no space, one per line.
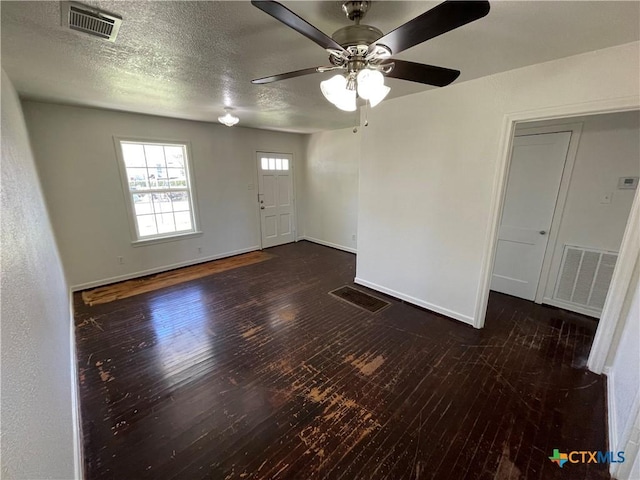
(137,240)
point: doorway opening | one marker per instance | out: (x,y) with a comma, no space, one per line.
(569,191)
(607,334)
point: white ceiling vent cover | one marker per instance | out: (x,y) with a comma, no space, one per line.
(585,275)
(90,20)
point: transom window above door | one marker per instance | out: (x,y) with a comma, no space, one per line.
(274,163)
(157,180)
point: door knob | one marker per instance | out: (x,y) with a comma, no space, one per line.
(543,232)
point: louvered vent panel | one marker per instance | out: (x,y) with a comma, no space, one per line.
(89,20)
(90,24)
(585,275)
(603,280)
(569,272)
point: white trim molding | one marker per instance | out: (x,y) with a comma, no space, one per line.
(416,301)
(618,290)
(328,244)
(164,268)
(612,415)
(76,418)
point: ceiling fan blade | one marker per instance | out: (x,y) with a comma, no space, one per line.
(445,17)
(421,73)
(286,16)
(284,76)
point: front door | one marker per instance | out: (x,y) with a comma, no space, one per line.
(537,163)
(275,198)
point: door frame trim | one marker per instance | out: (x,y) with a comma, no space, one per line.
(257,192)
(628,251)
(561,198)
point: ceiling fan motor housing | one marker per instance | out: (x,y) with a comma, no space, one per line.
(355,10)
(354,35)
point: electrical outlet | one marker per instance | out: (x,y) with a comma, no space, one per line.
(199,250)
(353,237)
(120,260)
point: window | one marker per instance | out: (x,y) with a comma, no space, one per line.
(267,163)
(159,190)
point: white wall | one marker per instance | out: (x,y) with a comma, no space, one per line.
(331,188)
(39,423)
(623,383)
(635,471)
(429,165)
(609,148)
(75,152)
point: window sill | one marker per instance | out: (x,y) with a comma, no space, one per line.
(172,238)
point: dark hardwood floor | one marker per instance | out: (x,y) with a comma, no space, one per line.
(259,373)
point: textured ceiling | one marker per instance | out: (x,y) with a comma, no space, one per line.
(191,59)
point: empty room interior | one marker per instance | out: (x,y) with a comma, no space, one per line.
(320,240)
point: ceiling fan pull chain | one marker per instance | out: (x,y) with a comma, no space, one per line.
(366,113)
(355,127)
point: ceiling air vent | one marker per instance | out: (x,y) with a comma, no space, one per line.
(90,20)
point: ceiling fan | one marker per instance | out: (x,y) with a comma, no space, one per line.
(362,53)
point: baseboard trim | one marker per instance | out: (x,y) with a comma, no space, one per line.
(571,307)
(416,301)
(151,271)
(611,410)
(76,423)
(329,244)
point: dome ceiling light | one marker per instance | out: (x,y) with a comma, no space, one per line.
(228,118)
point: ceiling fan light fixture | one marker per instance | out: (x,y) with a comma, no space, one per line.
(332,88)
(369,82)
(380,93)
(228,119)
(335,90)
(347,101)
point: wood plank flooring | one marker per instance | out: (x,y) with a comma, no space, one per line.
(150,283)
(259,373)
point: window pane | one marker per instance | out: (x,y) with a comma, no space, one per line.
(158,177)
(137,178)
(146,225)
(155,157)
(278,164)
(265,163)
(142,203)
(180,201)
(162,202)
(177,178)
(183,221)
(174,156)
(285,164)
(133,155)
(272,164)
(165,223)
